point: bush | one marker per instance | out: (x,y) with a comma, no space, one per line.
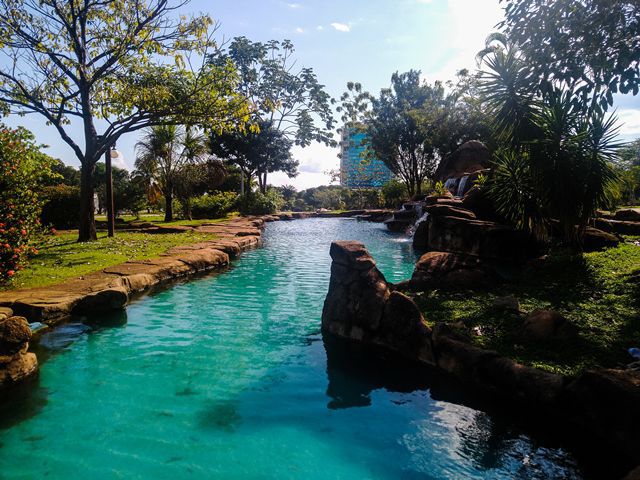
(394,193)
(256,203)
(60,209)
(215,205)
(23,171)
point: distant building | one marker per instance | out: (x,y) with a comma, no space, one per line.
(355,170)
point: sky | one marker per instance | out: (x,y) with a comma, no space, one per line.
(348,40)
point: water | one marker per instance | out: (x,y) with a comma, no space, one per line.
(462,185)
(227,377)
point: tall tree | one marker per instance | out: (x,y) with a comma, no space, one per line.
(590,46)
(256,153)
(287,98)
(104,65)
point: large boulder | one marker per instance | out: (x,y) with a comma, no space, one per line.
(448,210)
(622,227)
(478,202)
(542,324)
(595,240)
(16,363)
(436,269)
(469,157)
(360,306)
(632,214)
(480,238)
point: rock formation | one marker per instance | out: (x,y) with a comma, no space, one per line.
(16,363)
(469,157)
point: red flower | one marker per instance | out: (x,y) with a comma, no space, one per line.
(11,273)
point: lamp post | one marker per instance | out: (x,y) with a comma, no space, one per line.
(110,154)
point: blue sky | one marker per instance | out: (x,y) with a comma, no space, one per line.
(359,40)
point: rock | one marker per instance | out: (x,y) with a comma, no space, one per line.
(421,235)
(633,474)
(546,325)
(360,306)
(480,238)
(398,225)
(632,214)
(506,303)
(595,240)
(19,369)
(5,312)
(435,269)
(476,201)
(103,301)
(434,199)
(14,334)
(450,211)
(606,401)
(469,157)
(621,227)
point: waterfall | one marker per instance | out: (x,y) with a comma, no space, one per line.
(449,183)
(462,185)
(423,218)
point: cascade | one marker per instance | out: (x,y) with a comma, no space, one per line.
(462,185)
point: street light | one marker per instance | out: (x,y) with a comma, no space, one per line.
(110,154)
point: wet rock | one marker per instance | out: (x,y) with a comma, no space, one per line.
(19,369)
(14,334)
(546,325)
(621,227)
(421,235)
(476,201)
(436,269)
(469,157)
(446,199)
(5,312)
(450,211)
(480,238)
(360,306)
(595,240)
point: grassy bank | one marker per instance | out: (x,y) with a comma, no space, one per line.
(599,292)
(60,256)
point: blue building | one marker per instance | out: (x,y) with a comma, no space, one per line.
(356,171)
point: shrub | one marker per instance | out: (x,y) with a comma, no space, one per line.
(23,171)
(394,193)
(216,205)
(256,203)
(60,209)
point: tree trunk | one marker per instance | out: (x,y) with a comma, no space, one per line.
(264,183)
(168,204)
(87,230)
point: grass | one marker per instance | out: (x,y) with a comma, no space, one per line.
(599,292)
(158,219)
(60,257)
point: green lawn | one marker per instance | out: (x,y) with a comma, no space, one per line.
(61,257)
(158,219)
(599,292)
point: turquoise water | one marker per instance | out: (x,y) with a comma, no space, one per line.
(227,377)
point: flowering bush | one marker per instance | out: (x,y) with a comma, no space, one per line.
(23,170)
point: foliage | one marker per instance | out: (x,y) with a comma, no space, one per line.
(195,179)
(439,189)
(124,65)
(256,153)
(589,46)
(393,193)
(330,199)
(60,206)
(23,172)
(555,162)
(287,100)
(215,205)
(258,203)
(412,125)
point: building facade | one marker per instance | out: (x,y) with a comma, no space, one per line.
(355,170)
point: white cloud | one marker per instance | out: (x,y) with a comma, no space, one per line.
(319,27)
(294,5)
(299,30)
(341,27)
(425,1)
(629,120)
(315,160)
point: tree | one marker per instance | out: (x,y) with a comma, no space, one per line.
(589,46)
(288,99)
(105,65)
(194,179)
(256,153)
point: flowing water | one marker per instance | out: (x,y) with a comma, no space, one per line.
(227,377)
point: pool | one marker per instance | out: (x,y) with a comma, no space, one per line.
(227,376)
